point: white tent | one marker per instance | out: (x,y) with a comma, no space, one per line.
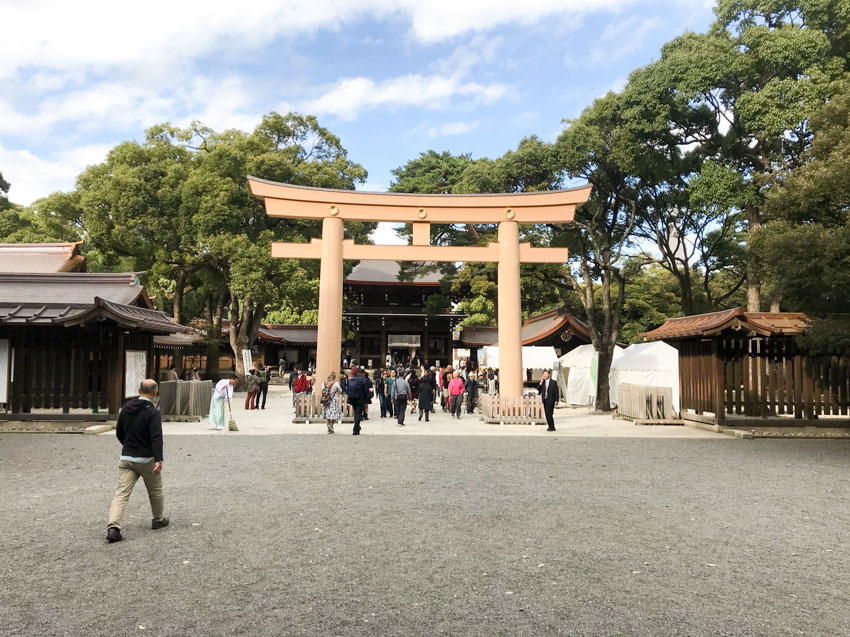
(579,385)
(655,364)
(533,357)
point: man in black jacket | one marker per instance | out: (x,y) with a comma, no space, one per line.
(140,432)
(548,390)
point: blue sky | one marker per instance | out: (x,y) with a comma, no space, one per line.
(391,78)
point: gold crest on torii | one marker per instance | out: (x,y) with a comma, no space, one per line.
(334,207)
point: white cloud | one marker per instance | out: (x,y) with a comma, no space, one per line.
(452,128)
(622,38)
(351,96)
(385,235)
(33,177)
(102,34)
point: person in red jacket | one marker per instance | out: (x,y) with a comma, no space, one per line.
(300,385)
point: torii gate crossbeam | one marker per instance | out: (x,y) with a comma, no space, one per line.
(336,206)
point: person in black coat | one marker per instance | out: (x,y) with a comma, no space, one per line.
(357,393)
(548,390)
(426,396)
(472,388)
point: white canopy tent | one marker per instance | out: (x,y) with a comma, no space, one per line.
(579,385)
(655,364)
(533,357)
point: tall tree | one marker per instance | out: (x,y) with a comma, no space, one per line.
(759,73)
(597,147)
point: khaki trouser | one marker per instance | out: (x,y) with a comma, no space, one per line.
(128,474)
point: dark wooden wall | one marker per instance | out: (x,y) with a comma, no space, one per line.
(762,378)
(64,368)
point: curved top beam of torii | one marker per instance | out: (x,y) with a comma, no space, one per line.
(305,202)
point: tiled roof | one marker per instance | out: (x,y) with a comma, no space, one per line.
(70,288)
(535,329)
(41,257)
(286,334)
(99,309)
(738,319)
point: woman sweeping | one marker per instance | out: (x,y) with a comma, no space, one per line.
(223,392)
(331,409)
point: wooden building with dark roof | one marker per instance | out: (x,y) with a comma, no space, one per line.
(557,328)
(74,341)
(391,315)
(746,368)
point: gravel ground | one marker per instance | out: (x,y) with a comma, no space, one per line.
(380,535)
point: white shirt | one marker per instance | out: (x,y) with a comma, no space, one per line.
(223,389)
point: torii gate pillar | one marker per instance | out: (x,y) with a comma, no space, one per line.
(330,299)
(510,311)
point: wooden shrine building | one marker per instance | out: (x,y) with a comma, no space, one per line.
(745,368)
(389,315)
(73,344)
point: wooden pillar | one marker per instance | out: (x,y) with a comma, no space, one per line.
(115,376)
(330,299)
(509,311)
(383,349)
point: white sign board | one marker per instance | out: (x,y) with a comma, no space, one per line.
(4,370)
(135,371)
(247,361)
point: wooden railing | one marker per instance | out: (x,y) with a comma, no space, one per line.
(645,402)
(512,410)
(308,408)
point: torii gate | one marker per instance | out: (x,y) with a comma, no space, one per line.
(334,207)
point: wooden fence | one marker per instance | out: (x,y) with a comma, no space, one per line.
(762,378)
(510,410)
(308,408)
(645,402)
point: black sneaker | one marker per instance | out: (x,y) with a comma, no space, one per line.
(113,534)
(158,524)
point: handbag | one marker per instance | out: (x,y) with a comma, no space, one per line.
(326,395)
(256,388)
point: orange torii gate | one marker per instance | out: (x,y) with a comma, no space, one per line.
(334,207)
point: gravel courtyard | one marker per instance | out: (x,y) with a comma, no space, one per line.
(430,535)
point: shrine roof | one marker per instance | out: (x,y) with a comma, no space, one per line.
(535,329)
(388,272)
(736,319)
(71,288)
(42,257)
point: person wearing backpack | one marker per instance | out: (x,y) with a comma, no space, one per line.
(357,398)
(331,409)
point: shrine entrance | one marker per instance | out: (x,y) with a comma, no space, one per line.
(334,207)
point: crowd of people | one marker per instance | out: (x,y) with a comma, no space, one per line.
(397,389)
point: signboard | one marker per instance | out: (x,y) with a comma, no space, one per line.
(135,371)
(4,370)
(404,340)
(247,361)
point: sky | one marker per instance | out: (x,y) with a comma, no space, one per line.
(391,78)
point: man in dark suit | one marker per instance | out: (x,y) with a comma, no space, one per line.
(548,390)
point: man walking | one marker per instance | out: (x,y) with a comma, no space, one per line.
(390,382)
(471,393)
(548,390)
(400,395)
(357,388)
(140,432)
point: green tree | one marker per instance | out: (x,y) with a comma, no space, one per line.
(599,148)
(751,84)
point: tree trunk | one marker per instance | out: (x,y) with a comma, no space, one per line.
(179,287)
(603,378)
(244,326)
(214,335)
(775,299)
(753,278)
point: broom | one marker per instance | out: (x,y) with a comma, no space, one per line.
(231,425)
